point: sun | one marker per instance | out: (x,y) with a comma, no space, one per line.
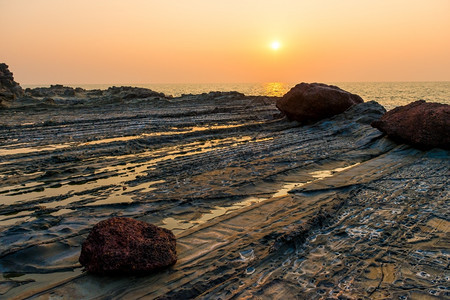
(275,45)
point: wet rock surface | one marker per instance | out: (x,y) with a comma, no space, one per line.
(422,124)
(9,89)
(311,102)
(124,246)
(260,207)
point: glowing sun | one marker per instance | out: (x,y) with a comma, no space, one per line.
(275,45)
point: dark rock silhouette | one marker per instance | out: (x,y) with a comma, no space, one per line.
(126,246)
(54,90)
(421,124)
(310,102)
(128,92)
(9,89)
(214,95)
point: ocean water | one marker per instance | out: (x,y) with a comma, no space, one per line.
(389,94)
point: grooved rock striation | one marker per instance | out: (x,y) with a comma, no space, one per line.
(421,124)
(9,89)
(311,102)
(126,246)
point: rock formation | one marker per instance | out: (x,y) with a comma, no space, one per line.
(128,92)
(54,90)
(310,102)
(9,89)
(421,124)
(126,246)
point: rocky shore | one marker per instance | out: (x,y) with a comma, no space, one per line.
(260,206)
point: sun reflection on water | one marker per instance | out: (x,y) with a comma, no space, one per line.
(276,89)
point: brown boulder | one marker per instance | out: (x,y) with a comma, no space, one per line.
(421,124)
(126,246)
(311,102)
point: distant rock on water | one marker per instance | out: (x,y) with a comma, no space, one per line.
(9,89)
(126,246)
(421,124)
(128,92)
(54,90)
(311,102)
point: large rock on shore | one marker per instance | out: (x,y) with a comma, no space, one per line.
(126,246)
(311,102)
(421,124)
(9,89)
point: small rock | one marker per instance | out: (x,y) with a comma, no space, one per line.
(421,124)
(311,102)
(126,246)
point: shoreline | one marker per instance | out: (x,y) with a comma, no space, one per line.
(236,183)
(389,94)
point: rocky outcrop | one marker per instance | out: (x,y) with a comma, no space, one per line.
(214,95)
(127,246)
(128,92)
(421,124)
(365,113)
(311,102)
(53,91)
(9,89)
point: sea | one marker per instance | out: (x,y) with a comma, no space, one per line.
(388,94)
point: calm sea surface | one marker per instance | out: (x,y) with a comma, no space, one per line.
(389,94)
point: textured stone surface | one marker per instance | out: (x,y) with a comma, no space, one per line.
(311,102)
(422,124)
(126,246)
(9,89)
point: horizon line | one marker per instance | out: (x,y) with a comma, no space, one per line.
(211,83)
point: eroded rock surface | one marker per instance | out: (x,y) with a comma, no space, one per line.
(311,102)
(346,212)
(127,246)
(422,124)
(9,89)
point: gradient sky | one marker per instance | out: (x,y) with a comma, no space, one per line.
(214,41)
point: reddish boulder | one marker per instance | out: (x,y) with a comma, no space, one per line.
(311,102)
(421,124)
(126,246)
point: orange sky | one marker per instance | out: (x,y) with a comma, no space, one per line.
(202,41)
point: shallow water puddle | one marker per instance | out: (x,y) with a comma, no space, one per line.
(14,218)
(317,175)
(117,175)
(328,173)
(178,225)
(116,190)
(284,191)
(214,127)
(217,211)
(126,195)
(26,150)
(62,212)
(17,149)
